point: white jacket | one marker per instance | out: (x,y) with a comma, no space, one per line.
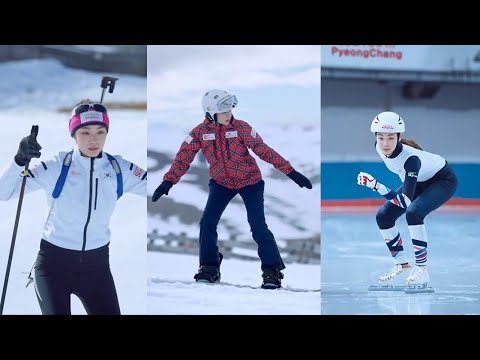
(79,218)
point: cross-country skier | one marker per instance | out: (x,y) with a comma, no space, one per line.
(82,188)
(225,140)
(428,183)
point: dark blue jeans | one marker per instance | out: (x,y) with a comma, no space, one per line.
(218,199)
(428,196)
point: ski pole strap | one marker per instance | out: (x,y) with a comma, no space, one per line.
(63,175)
(118,171)
(30,278)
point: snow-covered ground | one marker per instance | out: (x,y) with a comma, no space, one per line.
(31,92)
(172,290)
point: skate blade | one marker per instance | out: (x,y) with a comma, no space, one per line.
(419,289)
(387,287)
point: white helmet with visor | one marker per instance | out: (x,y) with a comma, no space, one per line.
(217,101)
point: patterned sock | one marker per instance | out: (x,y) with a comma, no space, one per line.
(419,241)
(395,244)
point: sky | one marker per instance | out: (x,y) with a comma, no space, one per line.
(42,86)
(273,83)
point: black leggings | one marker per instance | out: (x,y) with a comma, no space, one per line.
(61,272)
(428,196)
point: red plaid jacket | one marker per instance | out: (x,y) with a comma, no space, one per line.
(226,150)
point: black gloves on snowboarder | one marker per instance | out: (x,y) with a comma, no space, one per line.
(162,190)
(29,148)
(300,179)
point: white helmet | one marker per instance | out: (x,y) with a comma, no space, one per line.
(388,122)
(217,101)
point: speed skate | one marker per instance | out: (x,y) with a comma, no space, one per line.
(415,283)
(407,289)
(419,289)
(390,280)
(387,287)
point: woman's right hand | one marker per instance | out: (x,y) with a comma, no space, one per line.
(28,149)
(367,180)
(162,190)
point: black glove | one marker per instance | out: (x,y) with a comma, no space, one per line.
(162,190)
(29,148)
(299,179)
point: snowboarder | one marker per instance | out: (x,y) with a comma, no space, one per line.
(428,183)
(82,188)
(225,140)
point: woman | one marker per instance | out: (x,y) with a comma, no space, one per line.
(428,183)
(82,188)
(225,140)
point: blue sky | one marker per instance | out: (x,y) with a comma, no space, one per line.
(279,83)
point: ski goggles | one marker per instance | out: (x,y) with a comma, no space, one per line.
(227,103)
(81,108)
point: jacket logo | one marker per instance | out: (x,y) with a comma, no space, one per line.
(208,136)
(74,173)
(138,171)
(231,134)
(188,139)
(107,175)
(412,174)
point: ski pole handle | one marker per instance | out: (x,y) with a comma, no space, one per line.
(34,131)
(33,134)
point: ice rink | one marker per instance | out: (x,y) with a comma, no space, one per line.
(354,255)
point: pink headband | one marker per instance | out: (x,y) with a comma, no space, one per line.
(88,118)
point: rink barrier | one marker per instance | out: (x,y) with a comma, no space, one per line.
(454,205)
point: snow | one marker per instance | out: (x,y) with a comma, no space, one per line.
(174,291)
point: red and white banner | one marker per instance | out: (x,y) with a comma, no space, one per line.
(402,57)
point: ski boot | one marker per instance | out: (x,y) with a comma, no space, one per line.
(272,279)
(209,273)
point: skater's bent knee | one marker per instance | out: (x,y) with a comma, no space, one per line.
(414,216)
(384,220)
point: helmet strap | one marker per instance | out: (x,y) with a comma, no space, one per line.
(209,117)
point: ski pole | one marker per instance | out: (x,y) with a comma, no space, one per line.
(107,81)
(34,134)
